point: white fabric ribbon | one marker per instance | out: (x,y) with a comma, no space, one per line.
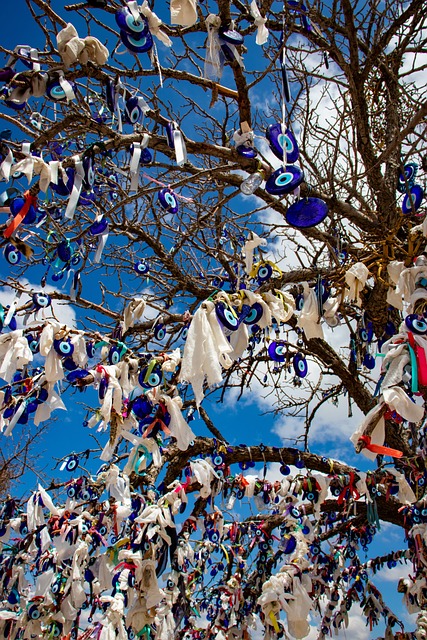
(134,166)
(377,435)
(206,350)
(73,49)
(77,187)
(249,247)
(178,426)
(259,21)
(179,146)
(356,278)
(213,65)
(309,319)
(6,165)
(399,401)
(154,24)
(183,12)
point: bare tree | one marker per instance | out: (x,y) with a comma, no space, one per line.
(210,195)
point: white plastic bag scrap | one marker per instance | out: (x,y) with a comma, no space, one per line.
(206,351)
(183,12)
(73,49)
(356,278)
(249,247)
(309,318)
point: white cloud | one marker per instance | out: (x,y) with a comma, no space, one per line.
(62,310)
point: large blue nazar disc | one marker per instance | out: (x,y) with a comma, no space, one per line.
(168,200)
(307,212)
(278,140)
(412,200)
(277,351)
(126,22)
(137,46)
(284,181)
(226,316)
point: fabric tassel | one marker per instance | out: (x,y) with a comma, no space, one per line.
(213,63)
(259,21)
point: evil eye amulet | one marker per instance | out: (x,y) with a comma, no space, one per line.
(63,347)
(115,355)
(416,324)
(126,22)
(89,171)
(412,200)
(300,365)
(141,407)
(136,45)
(153,380)
(133,111)
(12,254)
(226,316)
(55,630)
(284,180)
(246,152)
(90,349)
(141,267)
(279,140)
(55,92)
(231,36)
(15,207)
(33,612)
(255,314)
(290,545)
(277,351)
(146,156)
(407,178)
(159,332)
(369,361)
(168,200)
(41,300)
(98,227)
(72,463)
(264,272)
(64,251)
(33,343)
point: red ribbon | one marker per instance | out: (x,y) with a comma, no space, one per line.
(377,448)
(29,200)
(353,492)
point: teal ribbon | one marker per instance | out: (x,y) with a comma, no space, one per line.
(414,370)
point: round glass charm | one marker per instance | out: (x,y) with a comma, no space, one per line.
(284,180)
(307,212)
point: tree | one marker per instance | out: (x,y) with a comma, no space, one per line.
(135,203)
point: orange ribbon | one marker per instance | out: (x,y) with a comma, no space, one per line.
(377,448)
(29,200)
